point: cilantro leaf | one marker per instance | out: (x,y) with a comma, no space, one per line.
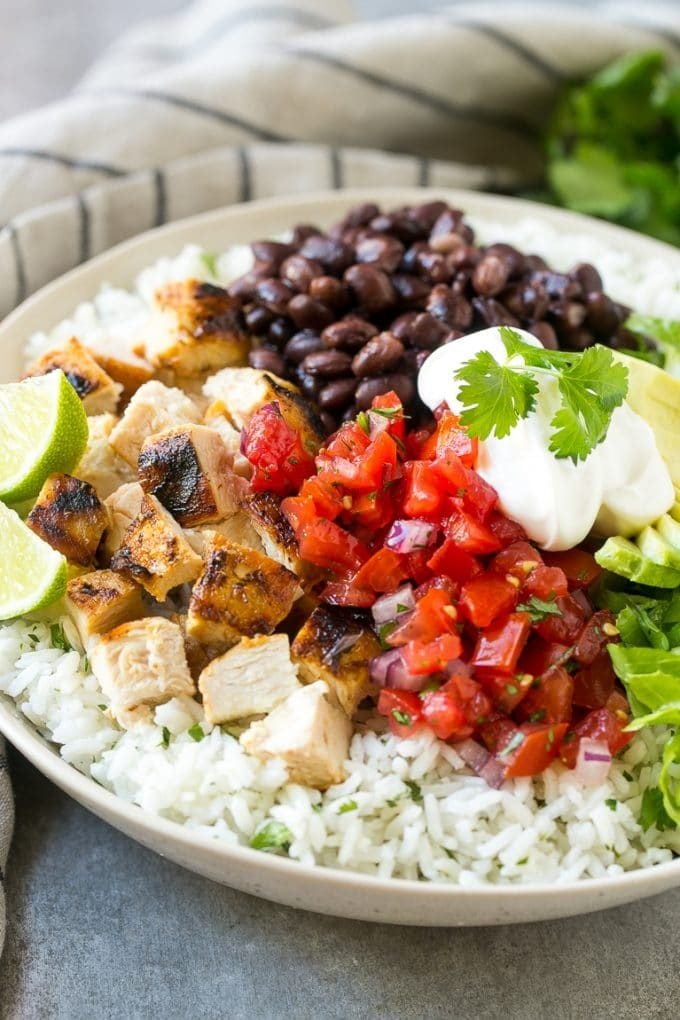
(272,837)
(349,805)
(538,609)
(414,790)
(196,732)
(165,738)
(209,260)
(58,638)
(495,396)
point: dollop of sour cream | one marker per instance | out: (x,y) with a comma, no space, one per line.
(622,485)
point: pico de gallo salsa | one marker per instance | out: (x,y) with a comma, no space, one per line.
(489,642)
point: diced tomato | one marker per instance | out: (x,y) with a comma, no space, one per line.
(383,572)
(369,510)
(487,597)
(392,409)
(618,704)
(540,655)
(416,565)
(434,615)
(539,745)
(423,659)
(518,559)
(276,452)
(578,565)
(594,684)
(457,564)
(440,581)
(346,593)
(327,545)
(403,709)
(478,496)
(505,530)
(499,647)
(444,716)
(453,438)
(549,698)
(379,462)
(471,696)
(350,442)
(471,535)
(565,627)
(506,691)
(592,640)
(421,444)
(299,510)
(497,732)
(602,725)
(423,494)
(546,583)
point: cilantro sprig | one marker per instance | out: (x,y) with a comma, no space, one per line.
(496,397)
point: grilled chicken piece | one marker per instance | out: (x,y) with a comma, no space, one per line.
(155,553)
(154,408)
(188,470)
(309,733)
(99,601)
(216,418)
(336,646)
(123,506)
(100,465)
(97,390)
(68,516)
(250,679)
(126,368)
(139,665)
(240,593)
(237,528)
(276,534)
(198,656)
(240,392)
(195,328)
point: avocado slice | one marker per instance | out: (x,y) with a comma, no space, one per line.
(655,396)
(625,558)
(658,549)
(669,529)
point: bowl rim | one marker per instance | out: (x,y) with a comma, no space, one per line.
(125,815)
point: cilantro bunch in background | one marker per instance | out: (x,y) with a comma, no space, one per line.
(613,146)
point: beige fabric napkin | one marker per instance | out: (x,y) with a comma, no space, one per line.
(235,99)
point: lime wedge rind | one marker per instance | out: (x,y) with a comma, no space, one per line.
(43,429)
(33,575)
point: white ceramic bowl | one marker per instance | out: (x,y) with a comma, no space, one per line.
(325,890)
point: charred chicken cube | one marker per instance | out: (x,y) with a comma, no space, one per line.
(153,408)
(237,528)
(123,506)
(102,600)
(240,392)
(250,679)
(306,731)
(336,646)
(69,516)
(100,465)
(276,534)
(125,367)
(97,390)
(216,418)
(139,665)
(195,328)
(188,470)
(155,553)
(240,593)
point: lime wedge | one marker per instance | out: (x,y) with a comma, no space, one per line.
(32,574)
(43,428)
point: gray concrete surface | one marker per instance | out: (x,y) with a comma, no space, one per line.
(101,928)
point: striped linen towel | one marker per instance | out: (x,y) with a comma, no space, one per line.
(235,99)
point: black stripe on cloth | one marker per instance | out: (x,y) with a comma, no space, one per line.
(424,167)
(2,877)
(160,198)
(445,107)
(83,228)
(530,57)
(217,32)
(182,103)
(19,264)
(246,181)
(72,162)
(335,158)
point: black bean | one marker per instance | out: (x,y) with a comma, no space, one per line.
(309,384)
(280,332)
(382,353)
(273,252)
(302,231)
(446,243)
(464,257)
(526,300)
(427,331)
(334,256)
(329,423)
(410,289)
(427,214)
(299,272)
(448,222)
(330,292)
(302,344)
(415,359)
(381,251)
(371,286)
(451,308)
(327,364)
(367,389)
(576,339)
(433,266)
(307,313)
(544,332)
(603,315)
(266,360)
(493,313)
(491,275)
(402,325)
(535,263)
(508,254)
(274,294)
(360,215)
(588,277)
(349,333)
(558,285)
(335,395)
(258,319)
(245,286)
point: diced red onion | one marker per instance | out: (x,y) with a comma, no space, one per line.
(399,677)
(388,607)
(456,667)
(481,762)
(593,762)
(380,665)
(377,423)
(583,601)
(493,773)
(405,536)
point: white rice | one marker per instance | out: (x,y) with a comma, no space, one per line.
(406,809)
